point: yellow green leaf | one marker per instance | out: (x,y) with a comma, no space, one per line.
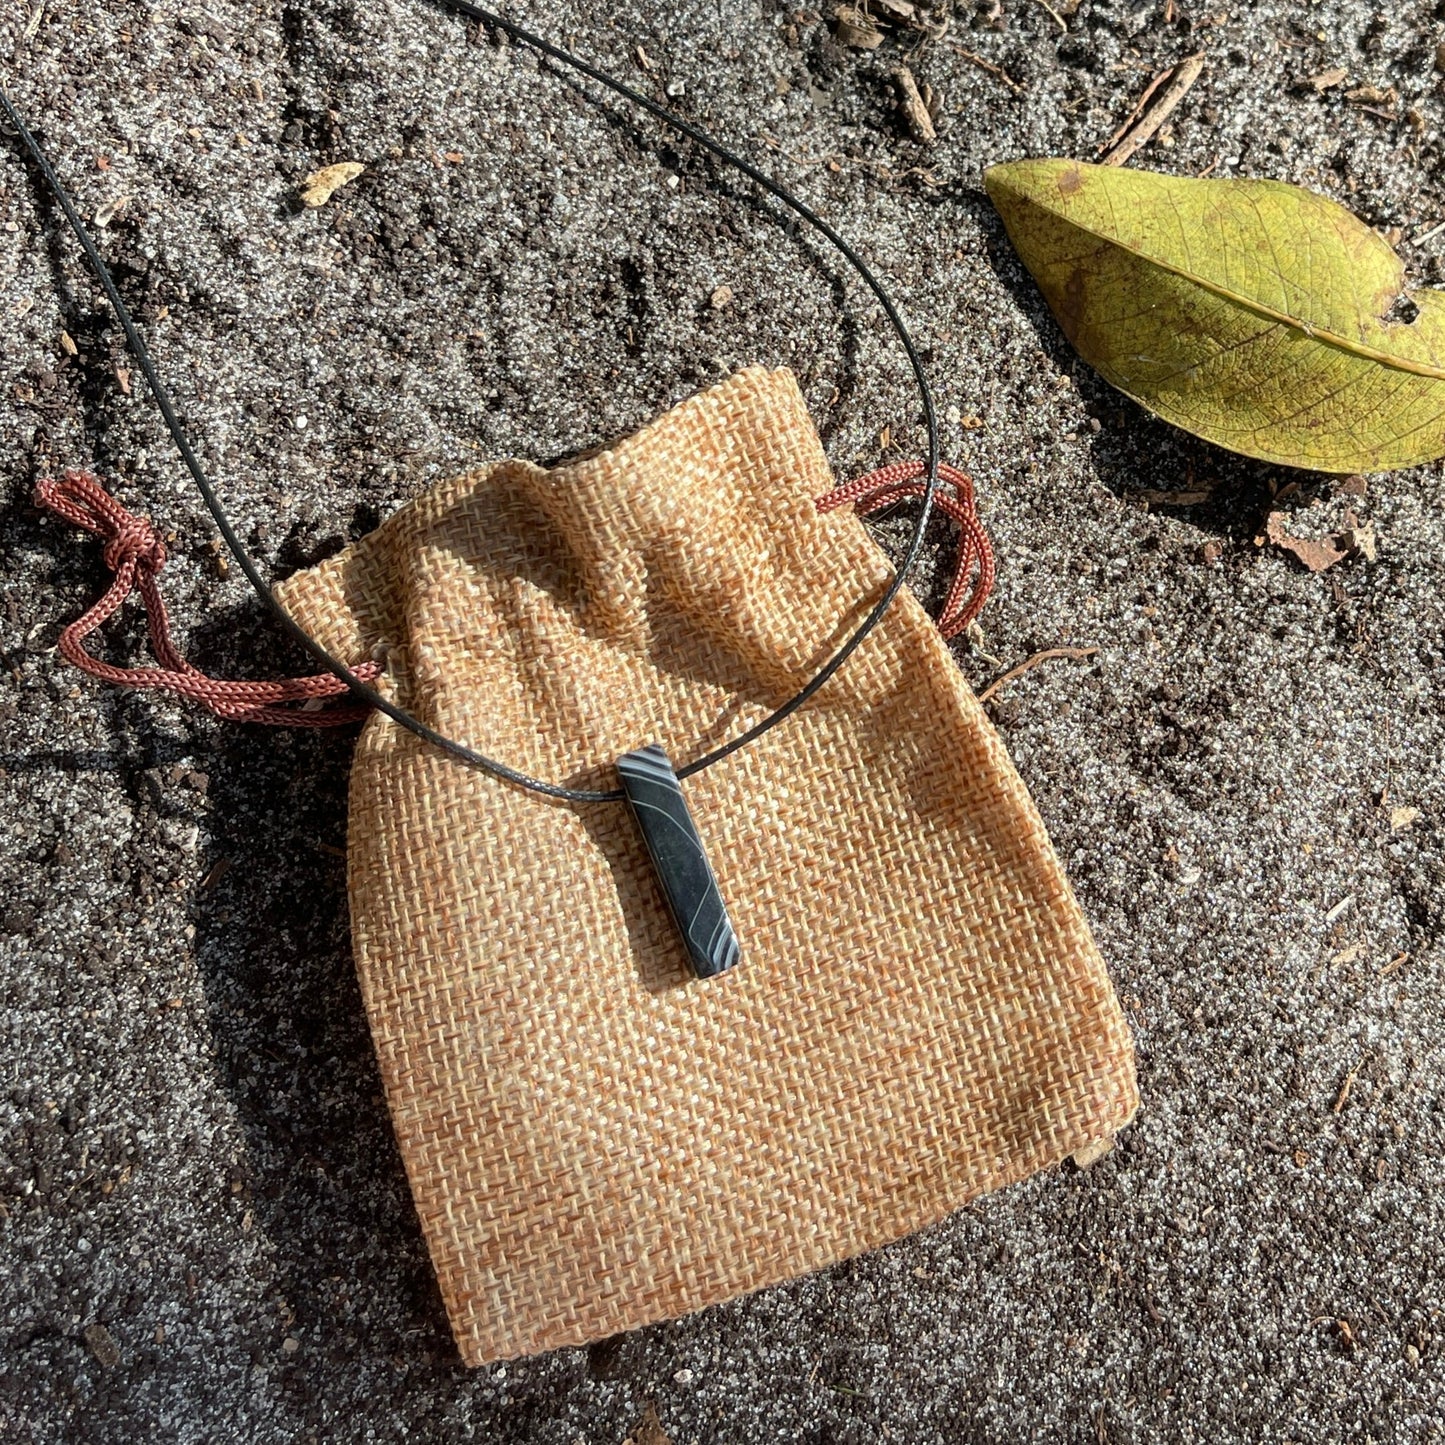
(1256,314)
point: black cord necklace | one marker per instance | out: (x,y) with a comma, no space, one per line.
(646,772)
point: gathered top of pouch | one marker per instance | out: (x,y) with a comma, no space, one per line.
(594,1139)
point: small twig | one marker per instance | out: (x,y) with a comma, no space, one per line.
(1175,499)
(1141,130)
(1396,963)
(1058,19)
(1029,663)
(989,66)
(1430,234)
(1349,1084)
(930,34)
(1137,111)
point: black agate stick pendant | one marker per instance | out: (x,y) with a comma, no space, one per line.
(679,860)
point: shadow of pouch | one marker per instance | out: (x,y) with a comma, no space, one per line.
(594,1140)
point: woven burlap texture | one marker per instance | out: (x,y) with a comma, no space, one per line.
(594,1141)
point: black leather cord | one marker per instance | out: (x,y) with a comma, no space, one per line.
(363,690)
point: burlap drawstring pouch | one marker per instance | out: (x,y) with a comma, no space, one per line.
(595,1140)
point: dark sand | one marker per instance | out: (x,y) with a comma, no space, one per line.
(205,1233)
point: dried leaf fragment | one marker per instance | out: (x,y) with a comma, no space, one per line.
(1372,95)
(1318,556)
(1361,539)
(1328,79)
(1255,314)
(915,110)
(320,186)
(102,1345)
(1403,819)
(721,297)
(109,211)
(856,30)
(649,1429)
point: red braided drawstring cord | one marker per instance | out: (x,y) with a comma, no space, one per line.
(136,555)
(886,485)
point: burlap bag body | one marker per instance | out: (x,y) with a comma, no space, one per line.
(594,1141)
